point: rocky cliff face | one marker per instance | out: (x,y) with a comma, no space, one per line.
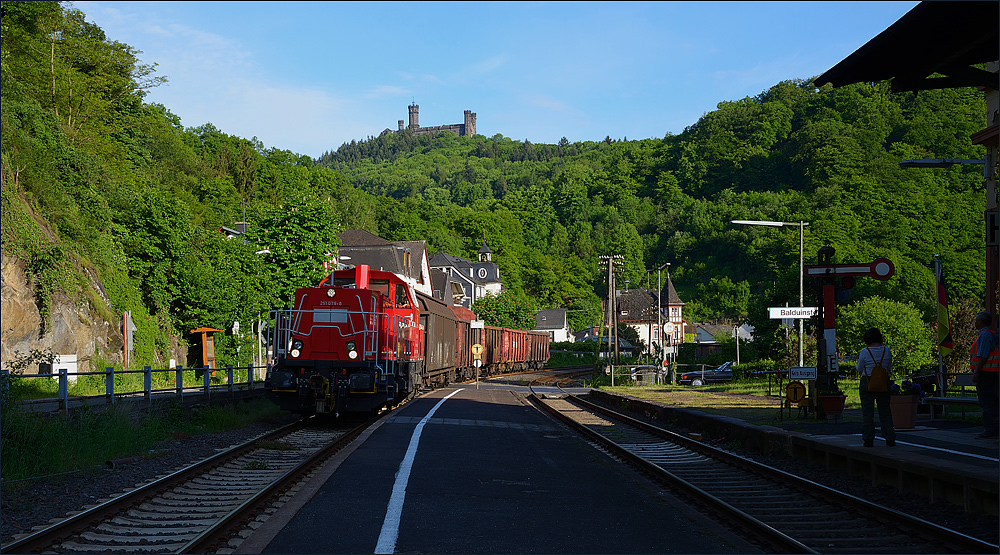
(75,328)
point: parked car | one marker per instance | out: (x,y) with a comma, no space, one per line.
(723,373)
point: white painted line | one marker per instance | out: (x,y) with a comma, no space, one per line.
(390,526)
(943,450)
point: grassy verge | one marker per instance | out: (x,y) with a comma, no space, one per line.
(754,401)
(37,444)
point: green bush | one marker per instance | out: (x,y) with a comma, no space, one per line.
(747,369)
(578,358)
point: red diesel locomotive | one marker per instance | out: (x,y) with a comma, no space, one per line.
(368,340)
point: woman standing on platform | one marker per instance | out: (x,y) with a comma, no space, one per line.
(875,354)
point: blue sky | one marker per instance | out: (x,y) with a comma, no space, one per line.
(309,76)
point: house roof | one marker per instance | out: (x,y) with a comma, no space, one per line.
(550,319)
(366,248)
(637,305)
(716,330)
(470,270)
(442,259)
(641,304)
(360,238)
(672,298)
(933,38)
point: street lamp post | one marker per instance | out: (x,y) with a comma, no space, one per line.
(802,227)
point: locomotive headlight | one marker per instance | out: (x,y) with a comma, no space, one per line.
(297,344)
(295,353)
(352,350)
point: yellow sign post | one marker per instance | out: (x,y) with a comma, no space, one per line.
(795,392)
(477,351)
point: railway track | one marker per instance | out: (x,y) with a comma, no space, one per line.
(199,508)
(786,513)
(552,377)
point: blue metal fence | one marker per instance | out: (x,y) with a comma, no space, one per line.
(180,389)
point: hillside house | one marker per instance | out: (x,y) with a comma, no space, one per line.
(638,309)
(465,281)
(407,259)
(553,322)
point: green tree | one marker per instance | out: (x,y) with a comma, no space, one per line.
(506,310)
(901,325)
(298,237)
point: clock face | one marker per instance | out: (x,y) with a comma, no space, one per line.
(482,273)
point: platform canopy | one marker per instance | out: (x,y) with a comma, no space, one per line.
(933,46)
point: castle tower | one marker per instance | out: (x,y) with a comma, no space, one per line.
(400,125)
(414,116)
(470,123)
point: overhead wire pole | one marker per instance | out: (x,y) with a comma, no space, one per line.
(659,311)
(614,262)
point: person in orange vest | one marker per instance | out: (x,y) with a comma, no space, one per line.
(985,365)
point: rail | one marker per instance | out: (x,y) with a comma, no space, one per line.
(124,389)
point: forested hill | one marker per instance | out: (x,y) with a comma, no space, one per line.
(97,182)
(794,153)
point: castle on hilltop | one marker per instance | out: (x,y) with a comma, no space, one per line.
(465,129)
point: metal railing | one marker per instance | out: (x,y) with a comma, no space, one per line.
(147,393)
(640,374)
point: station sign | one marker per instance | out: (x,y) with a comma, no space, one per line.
(782,312)
(802,373)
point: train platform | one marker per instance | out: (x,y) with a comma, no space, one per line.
(479,470)
(939,459)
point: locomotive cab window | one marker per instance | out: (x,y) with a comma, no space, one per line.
(402,301)
(380,286)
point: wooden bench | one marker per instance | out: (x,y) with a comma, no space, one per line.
(962,381)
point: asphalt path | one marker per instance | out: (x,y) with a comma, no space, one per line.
(467,470)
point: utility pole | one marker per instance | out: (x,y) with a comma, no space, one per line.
(614,264)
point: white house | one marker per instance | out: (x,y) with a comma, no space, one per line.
(553,322)
(472,279)
(638,309)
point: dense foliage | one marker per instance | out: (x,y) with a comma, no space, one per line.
(97,181)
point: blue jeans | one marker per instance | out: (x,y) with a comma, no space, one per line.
(868,402)
(988,391)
